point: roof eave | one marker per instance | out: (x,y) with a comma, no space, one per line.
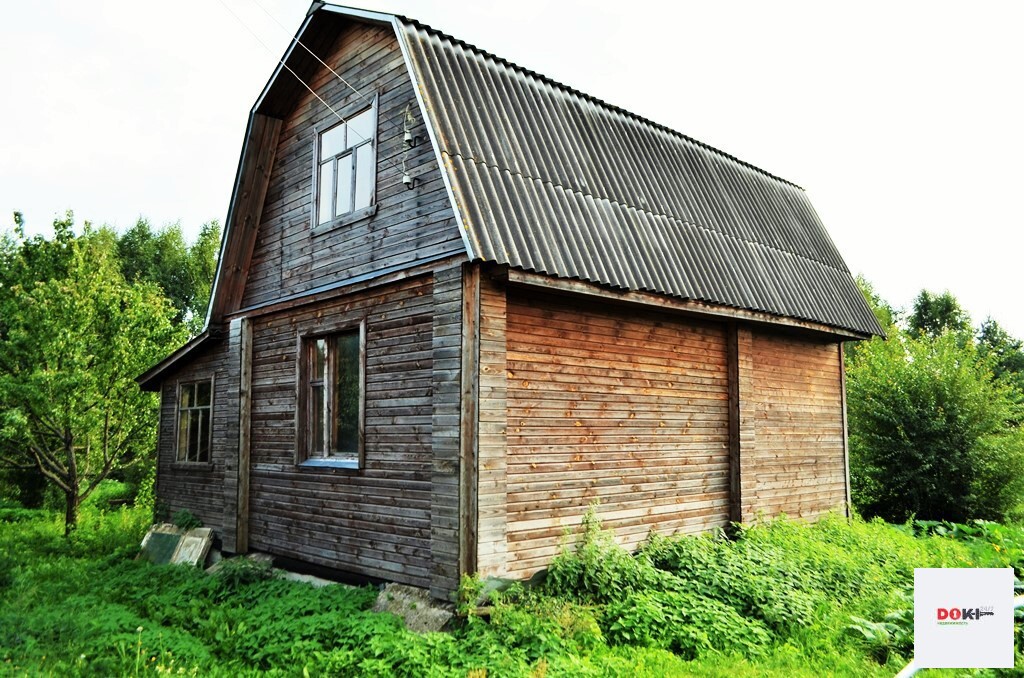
(150,379)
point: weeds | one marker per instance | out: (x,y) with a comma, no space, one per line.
(780,599)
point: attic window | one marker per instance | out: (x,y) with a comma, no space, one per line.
(346,172)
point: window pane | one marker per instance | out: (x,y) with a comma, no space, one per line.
(182,436)
(194,426)
(332,142)
(325,192)
(187,391)
(203,453)
(346,395)
(365,175)
(317,414)
(203,394)
(360,128)
(318,360)
(344,196)
(317,397)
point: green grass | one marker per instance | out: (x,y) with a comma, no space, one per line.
(780,599)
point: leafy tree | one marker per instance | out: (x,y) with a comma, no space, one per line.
(886,314)
(930,431)
(934,314)
(1006,353)
(24,261)
(202,262)
(72,341)
(185,273)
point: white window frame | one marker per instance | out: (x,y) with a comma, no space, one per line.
(181,454)
(348,154)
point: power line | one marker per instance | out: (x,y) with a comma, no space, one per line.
(310,89)
(296,40)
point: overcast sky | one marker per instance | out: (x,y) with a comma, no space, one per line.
(904,121)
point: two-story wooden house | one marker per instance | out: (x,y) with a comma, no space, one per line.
(458,302)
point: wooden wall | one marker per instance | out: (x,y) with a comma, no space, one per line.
(374,521)
(623,407)
(409,226)
(445,462)
(492,462)
(199,487)
(798,457)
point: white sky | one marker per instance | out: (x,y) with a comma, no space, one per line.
(903,120)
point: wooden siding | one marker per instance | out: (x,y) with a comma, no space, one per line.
(444,435)
(375,521)
(629,409)
(409,225)
(200,487)
(492,466)
(798,464)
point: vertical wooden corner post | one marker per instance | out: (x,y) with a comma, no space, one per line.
(469,418)
(244,436)
(735,484)
(846,433)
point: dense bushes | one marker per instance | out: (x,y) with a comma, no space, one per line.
(931,433)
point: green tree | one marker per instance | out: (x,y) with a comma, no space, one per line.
(23,262)
(934,314)
(930,431)
(885,313)
(185,273)
(71,345)
(202,262)
(1006,353)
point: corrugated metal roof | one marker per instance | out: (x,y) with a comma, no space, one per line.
(549,179)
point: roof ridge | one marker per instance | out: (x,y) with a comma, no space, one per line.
(589,97)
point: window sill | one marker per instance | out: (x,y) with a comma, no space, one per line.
(192,465)
(350,464)
(345,220)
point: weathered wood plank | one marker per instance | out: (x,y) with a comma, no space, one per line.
(492,547)
(244,433)
(630,409)
(469,418)
(800,462)
(384,508)
(200,488)
(446,377)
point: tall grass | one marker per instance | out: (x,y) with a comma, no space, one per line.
(779,599)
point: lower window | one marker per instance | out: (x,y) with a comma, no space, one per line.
(334,399)
(195,409)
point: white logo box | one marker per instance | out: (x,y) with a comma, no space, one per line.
(963,618)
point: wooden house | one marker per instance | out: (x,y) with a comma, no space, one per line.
(457,303)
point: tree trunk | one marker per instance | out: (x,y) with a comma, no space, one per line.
(70,512)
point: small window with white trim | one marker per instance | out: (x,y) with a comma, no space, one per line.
(346,172)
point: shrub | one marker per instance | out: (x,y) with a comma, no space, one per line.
(685,623)
(597,570)
(109,494)
(235,573)
(930,432)
(749,577)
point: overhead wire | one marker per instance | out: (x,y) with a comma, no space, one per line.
(304,84)
(313,54)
